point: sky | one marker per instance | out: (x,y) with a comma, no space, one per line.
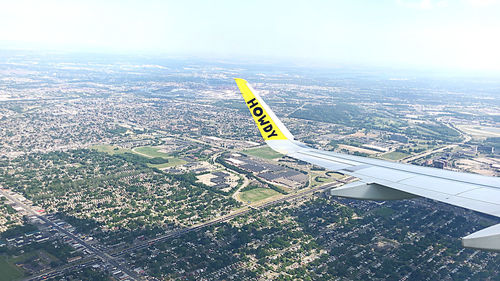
(460,34)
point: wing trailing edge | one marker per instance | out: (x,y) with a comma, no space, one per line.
(485,239)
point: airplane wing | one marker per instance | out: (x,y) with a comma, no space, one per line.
(385,180)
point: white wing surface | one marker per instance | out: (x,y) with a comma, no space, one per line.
(385,180)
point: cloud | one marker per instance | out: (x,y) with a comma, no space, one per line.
(424,4)
(432,4)
(481,3)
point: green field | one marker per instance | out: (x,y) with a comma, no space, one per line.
(263,152)
(147,151)
(172,161)
(334,175)
(9,271)
(151,151)
(319,180)
(257,194)
(394,155)
(110,149)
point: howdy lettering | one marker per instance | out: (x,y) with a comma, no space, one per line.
(257,111)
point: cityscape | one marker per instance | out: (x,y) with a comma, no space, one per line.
(117,167)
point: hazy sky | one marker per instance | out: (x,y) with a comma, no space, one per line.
(462,34)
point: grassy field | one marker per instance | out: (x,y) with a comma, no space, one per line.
(257,194)
(263,152)
(319,180)
(394,155)
(143,151)
(172,161)
(9,271)
(480,131)
(334,175)
(151,151)
(110,149)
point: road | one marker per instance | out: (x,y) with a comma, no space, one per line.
(111,258)
(466,138)
(61,269)
(300,107)
(418,156)
(245,183)
(103,256)
(177,233)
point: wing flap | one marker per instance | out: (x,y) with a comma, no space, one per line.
(491,207)
(485,239)
(370,191)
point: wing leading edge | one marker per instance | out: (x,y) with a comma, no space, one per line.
(384,180)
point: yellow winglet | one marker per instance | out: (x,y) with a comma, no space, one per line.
(269,125)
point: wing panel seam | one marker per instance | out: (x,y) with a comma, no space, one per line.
(380,181)
(397,169)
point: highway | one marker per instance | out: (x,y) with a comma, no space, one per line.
(103,256)
(177,233)
(111,258)
(466,138)
(61,269)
